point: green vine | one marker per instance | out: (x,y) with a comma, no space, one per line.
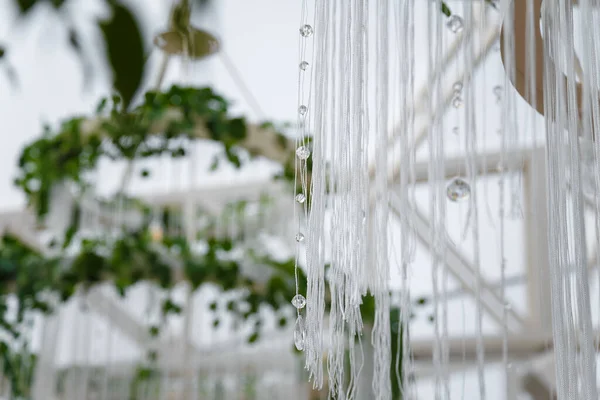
(162,125)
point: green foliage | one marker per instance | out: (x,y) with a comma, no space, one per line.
(125,51)
(448,13)
(66,155)
(18,368)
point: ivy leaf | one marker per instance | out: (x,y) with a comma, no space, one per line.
(26,5)
(230,305)
(73,227)
(215,164)
(57,3)
(154,331)
(254,337)
(446,10)
(237,128)
(125,51)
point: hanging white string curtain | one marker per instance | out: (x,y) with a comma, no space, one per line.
(362,112)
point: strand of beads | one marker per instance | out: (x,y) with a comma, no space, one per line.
(301,179)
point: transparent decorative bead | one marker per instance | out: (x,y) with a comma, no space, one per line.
(458,190)
(303,152)
(300,198)
(302,110)
(498,92)
(455,130)
(299,301)
(457,102)
(299,333)
(457,87)
(303,65)
(299,237)
(306,30)
(455,24)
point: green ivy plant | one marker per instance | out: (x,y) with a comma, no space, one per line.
(79,263)
(70,153)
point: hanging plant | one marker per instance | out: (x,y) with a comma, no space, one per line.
(152,129)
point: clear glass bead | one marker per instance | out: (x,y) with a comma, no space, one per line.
(299,333)
(300,198)
(302,110)
(455,24)
(303,152)
(457,102)
(299,237)
(457,87)
(306,30)
(303,65)
(299,301)
(458,190)
(498,90)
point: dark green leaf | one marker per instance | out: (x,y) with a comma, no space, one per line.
(2,51)
(254,337)
(101,106)
(58,3)
(125,49)
(73,226)
(215,163)
(144,373)
(237,128)
(216,323)
(422,301)
(169,307)
(26,5)
(446,10)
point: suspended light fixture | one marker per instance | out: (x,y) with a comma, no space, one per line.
(182,39)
